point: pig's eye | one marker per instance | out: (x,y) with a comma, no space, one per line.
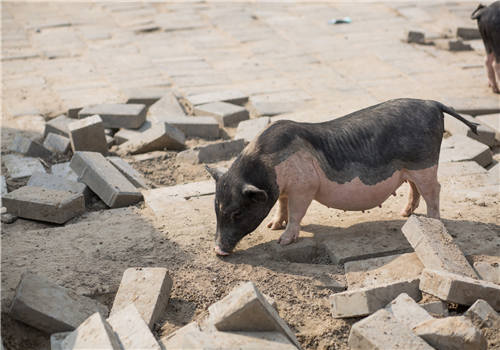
(236,215)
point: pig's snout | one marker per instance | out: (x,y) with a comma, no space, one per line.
(219,251)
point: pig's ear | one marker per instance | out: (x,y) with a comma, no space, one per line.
(254,193)
(216,172)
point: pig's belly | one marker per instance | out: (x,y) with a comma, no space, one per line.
(355,195)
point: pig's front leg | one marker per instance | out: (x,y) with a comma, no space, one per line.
(281,215)
(297,207)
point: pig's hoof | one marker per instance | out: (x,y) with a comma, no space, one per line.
(406,212)
(286,239)
(277,225)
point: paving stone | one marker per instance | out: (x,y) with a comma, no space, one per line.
(131,330)
(407,311)
(492,121)
(382,331)
(456,332)
(212,153)
(64,170)
(269,105)
(44,204)
(21,167)
(88,135)
(54,182)
(414,36)
(73,112)
(57,143)
(489,270)
(56,340)
(453,45)
(229,96)
(468,33)
(146,95)
(3,185)
(246,309)
(475,105)
(382,270)
(167,106)
(147,288)
(204,127)
(227,114)
(485,134)
(7,218)
(249,129)
(49,307)
(58,126)
(436,308)
(459,148)
(94,333)
(482,314)
(364,301)
(109,141)
(459,289)
(126,115)
(160,197)
(302,251)
(155,155)
(452,169)
(124,135)
(29,147)
(130,173)
(159,136)
(435,247)
(104,179)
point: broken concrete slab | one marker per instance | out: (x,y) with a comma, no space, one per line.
(49,307)
(94,333)
(435,247)
(44,204)
(468,33)
(436,308)
(148,288)
(132,331)
(475,105)
(459,148)
(205,127)
(159,136)
(245,309)
(453,169)
(56,340)
(123,135)
(489,269)
(364,301)
(382,331)
(185,191)
(456,332)
(54,182)
(249,129)
(118,115)
(482,314)
(167,106)
(485,134)
(302,251)
(459,289)
(493,122)
(407,311)
(64,170)
(88,135)
(227,114)
(104,179)
(212,153)
(130,173)
(229,96)
(146,95)
(57,143)
(58,126)
(21,167)
(29,147)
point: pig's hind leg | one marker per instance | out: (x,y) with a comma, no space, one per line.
(413,200)
(427,184)
(281,215)
(491,67)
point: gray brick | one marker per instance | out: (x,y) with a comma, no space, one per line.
(57,143)
(49,307)
(44,204)
(167,106)
(3,185)
(104,179)
(64,170)
(53,182)
(117,115)
(123,135)
(204,127)
(407,311)
(130,173)
(29,147)
(21,167)
(493,122)
(249,129)
(94,333)
(482,314)
(88,135)
(58,126)
(56,340)
(459,148)
(146,95)
(158,137)
(474,106)
(216,152)
(73,112)
(468,33)
(485,134)
(230,96)
(453,45)
(437,308)
(415,37)
(158,197)
(489,270)
(265,105)
(226,114)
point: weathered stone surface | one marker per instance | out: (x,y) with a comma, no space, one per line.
(485,134)
(155,155)
(49,307)
(159,136)
(364,301)
(459,289)
(435,247)
(468,33)
(162,196)
(474,105)
(226,114)
(302,251)
(123,135)
(29,147)
(167,106)
(415,37)
(493,122)
(21,167)
(117,115)
(249,129)
(54,182)
(57,143)
(451,333)
(88,135)
(44,204)
(482,315)
(459,148)
(204,127)
(94,333)
(104,179)
(382,331)
(230,96)
(58,126)
(3,185)
(489,270)
(453,169)
(147,288)
(437,308)
(407,311)
(130,173)
(453,45)
(245,309)
(64,170)
(56,340)
(132,330)
(212,153)
(146,95)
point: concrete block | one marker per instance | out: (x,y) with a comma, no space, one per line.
(54,182)
(155,155)
(249,129)
(64,170)
(415,37)
(459,148)
(123,135)
(204,127)
(407,311)
(302,251)
(453,169)
(485,134)
(158,137)
(94,333)
(147,288)
(49,307)
(436,308)
(58,126)
(3,185)
(146,95)
(110,141)
(44,204)
(382,270)
(130,173)
(459,289)
(226,114)
(482,314)
(56,340)
(229,96)
(73,112)
(57,143)
(167,106)
(474,105)
(166,195)
(364,301)
(245,309)
(381,331)
(489,270)
(468,33)
(451,333)
(88,135)
(21,167)
(269,105)
(131,330)
(435,247)
(125,115)
(104,179)
(29,147)
(212,153)
(452,45)
(493,122)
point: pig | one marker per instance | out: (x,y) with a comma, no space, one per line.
(488,21)
(352,163)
